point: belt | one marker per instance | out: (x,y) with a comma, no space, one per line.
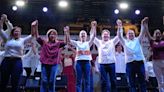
(87,52)
(12,58)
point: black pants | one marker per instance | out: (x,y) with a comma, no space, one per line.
(11,67)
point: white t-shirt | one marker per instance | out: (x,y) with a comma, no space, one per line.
(120,64)
(133,50)
(106,50)
(149,69)
(14,47)
(81,46)
(30,59)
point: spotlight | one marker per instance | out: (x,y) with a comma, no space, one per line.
(123,5)
(45,9)
(137,12)
(63,4)
(14,8)
(20,3)
(116,11)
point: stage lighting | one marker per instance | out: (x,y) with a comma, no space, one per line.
(116,11)
(137,12)
(63,3)
(123,5)
(20,3)
(14,8)
(45,9)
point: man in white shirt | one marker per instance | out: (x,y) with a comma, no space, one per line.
(106,59)
(134,56)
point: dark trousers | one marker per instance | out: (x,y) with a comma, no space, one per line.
(106,69)
(133,69)
(11,67)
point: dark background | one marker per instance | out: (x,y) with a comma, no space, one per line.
(82,10)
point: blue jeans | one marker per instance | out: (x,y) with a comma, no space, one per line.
(106,69)
(91,82)
(48,78)
(83,69)
(13,67)
(136,68)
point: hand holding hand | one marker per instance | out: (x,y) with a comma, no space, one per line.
(145,21)
(93,24)
(4,18)
(119,23)
(66,29)
(34,23)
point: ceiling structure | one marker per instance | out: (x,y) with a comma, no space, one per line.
(83,10)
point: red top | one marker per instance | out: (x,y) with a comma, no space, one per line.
(50,52)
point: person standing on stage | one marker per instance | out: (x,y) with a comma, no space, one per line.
(68,67)
(134,57)
(12,63)
(83,58)
(49,58)
(120,62)
(157,45)
(106,60)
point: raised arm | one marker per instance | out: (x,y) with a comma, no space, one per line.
(8,24)
(148,33)
(72,49)
(93,32)
(2,32)
(5,34)
(67,33)
(34,48)
(144,25)
(36,33)
(120,31)
(116,39)
(34,28)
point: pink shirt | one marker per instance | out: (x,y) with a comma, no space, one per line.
(158,50)
(50,52)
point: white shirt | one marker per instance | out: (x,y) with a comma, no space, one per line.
(29,59)
(120,64)
(81,46)
(106,50)
(14,47)
(149,68)
(133,50)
